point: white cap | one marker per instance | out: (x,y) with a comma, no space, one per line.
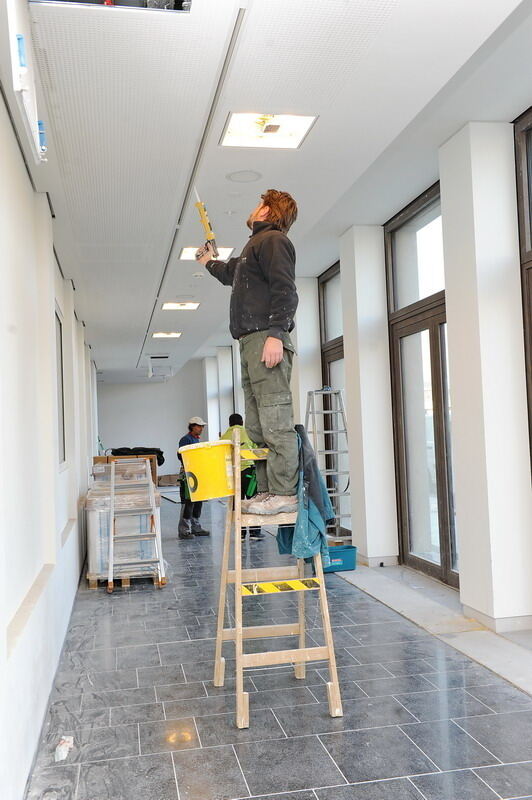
(196,421)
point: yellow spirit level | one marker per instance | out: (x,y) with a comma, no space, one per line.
(204,219)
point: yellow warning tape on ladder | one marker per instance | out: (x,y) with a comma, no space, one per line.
(257,454)
(280,586)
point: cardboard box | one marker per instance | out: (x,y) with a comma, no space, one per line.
(108,459)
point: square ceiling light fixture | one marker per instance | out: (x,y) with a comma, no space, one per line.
(283,131)
(180,306)
(166,335)
(189,253)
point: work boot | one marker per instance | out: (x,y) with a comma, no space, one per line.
(255,533)
(251,500)
(274,504)
(197,530)
(183,529)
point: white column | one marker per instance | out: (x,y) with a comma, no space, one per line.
(224,359)
(368,395)
(487,375)
(210,378)
(306,373)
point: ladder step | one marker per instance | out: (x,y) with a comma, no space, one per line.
(328,411)
(264,574)
(339,494)
(335,472)
(145,562)
(272,587)
(341,430)
(286,656)
(135,537)
(332,452)
(133,512)
(136,484)
(262,631)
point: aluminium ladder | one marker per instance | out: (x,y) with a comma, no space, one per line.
(257,582)
(126,567)
(326,405)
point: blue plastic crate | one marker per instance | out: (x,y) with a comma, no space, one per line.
(342,557)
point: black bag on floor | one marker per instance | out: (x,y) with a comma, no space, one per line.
(140,451)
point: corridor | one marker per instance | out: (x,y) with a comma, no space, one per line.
(134,690)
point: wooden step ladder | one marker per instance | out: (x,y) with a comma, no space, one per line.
(256,582)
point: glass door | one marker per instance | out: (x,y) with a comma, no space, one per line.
(422,428)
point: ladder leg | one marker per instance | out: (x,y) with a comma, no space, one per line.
(299,669)
(242,697)
(110,566)
(333,688)
(219,661)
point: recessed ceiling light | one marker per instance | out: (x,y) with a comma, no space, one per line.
(180,306)
(189,253)
(243,176)
(266,130)
(166,335)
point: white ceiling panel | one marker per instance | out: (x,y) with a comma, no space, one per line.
(128,95)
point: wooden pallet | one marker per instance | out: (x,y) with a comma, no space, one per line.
(125,581)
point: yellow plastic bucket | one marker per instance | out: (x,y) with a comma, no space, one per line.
(209,469)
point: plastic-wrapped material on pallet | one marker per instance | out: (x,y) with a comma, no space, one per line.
(99,499)
(124,471)
(97,516)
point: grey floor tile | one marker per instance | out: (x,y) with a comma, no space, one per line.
(199,707)
(472,675)
(444,704)
(205,630)
(177,734)
(209,774)
(509,780)
(412,666)
(461,785)
(286,765)
(357,672)
(501,698)
(348,691)
(289,796)
(229,687)
(276,679)
(96,660)
(204,670)
(380,753)
(55,783)
(449,660)
(180,691)
(399,651)
(125,715)
(119,697)
(341,636)
(371,712)
(400,789)
(139,656)
(221,728)
(277,698)
(159,676)
(124,779)
(388,632)
(388,686)
(507,736)
(449,746)
(92,744)
(187,652)
(63,717)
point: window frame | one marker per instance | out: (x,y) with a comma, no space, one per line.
(60,388)
(522,128)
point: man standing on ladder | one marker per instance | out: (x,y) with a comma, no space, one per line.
(263,305)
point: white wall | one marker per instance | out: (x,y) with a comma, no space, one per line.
(306,374)
(41,531)
(152,414)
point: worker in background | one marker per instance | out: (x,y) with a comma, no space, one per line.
(248,480)
(263,304)
(189,520)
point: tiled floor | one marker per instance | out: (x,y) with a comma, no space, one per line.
(134,689)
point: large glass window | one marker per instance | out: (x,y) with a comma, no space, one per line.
(421,405)
(523,153)
(60,388)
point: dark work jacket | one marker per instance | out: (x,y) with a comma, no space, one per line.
(187,439)
(264,296)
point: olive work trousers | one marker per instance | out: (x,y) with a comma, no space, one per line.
(269,414)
